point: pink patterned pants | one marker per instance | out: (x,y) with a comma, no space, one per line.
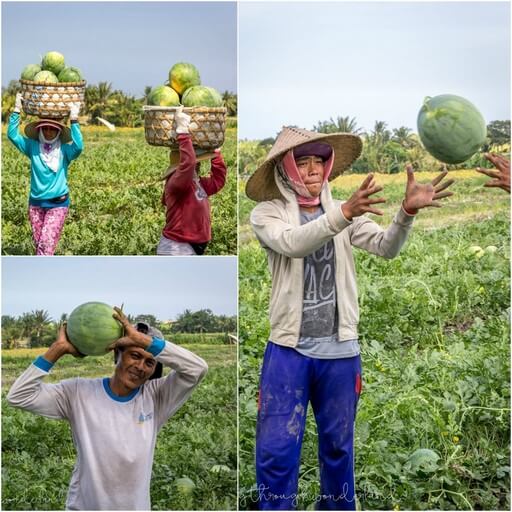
(47,224)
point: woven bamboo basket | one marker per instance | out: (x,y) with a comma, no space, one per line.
(50,100)
(207,126)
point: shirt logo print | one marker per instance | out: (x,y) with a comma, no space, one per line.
(200,192)
(144,417)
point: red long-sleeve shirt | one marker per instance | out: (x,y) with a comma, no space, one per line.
(187,207)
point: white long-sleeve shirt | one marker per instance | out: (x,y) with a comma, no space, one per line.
(114,436)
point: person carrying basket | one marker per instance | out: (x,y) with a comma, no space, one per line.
(50,146)
(187,230)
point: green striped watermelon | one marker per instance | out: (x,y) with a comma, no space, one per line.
(91,328)
(451,128)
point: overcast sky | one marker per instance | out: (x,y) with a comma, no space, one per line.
(300,63)
(164,287)
(130,44)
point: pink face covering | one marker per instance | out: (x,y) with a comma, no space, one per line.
(304,197)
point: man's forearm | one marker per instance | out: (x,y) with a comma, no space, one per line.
(54,353)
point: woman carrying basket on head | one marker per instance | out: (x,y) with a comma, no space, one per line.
(50,146)
(187,228)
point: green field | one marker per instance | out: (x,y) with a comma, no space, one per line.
(115,195)
(434,333)
(199,442)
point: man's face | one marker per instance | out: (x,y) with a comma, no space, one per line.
(134,367)
(311,169)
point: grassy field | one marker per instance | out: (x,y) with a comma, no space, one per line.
(199,442)
(115,195)
(434,333)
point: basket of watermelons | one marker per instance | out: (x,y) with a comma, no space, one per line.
(203,104)
(48,88)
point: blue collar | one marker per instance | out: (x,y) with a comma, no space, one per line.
(117,398)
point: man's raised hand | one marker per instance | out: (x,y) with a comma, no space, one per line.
(360,202)
(423,195)
(500,175)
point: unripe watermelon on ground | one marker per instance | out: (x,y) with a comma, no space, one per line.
(451,128)
(185,486)
(91,328)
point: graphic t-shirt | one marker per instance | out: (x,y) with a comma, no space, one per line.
(319,327)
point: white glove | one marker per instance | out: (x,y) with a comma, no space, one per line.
(182,121)
(74,110)
(17,103)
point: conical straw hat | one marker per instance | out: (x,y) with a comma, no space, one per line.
(347,148)
(31,129)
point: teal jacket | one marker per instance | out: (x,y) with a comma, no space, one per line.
(44,183)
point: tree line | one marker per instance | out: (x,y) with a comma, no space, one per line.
(385,149)
(38,329)
(105,102)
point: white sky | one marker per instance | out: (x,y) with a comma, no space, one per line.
(302,62)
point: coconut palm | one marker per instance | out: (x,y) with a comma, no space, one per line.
(404,137)
(40,319)
(147,91)
(380,134)
(98,100)
(340,124)
(9,97)
(230,102)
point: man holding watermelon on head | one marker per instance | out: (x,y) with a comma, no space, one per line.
(313,349)
(188,227)
(114,420)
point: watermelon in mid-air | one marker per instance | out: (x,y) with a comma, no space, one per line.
(451,128)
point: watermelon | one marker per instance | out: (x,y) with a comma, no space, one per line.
(46,76)
(451,128)
(185,486)
(182,76)
(91,328)
(30,71)
(423,460)
(201,96)
(70,74)
(163,96)
(54,62)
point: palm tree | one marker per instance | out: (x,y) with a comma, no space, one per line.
(340,124)
(380,134)
(404,137)
(41,319)
(230,102)
(147,90)
(98,99)
(348,125)
(9,97)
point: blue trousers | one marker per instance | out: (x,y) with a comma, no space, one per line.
(288,382)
